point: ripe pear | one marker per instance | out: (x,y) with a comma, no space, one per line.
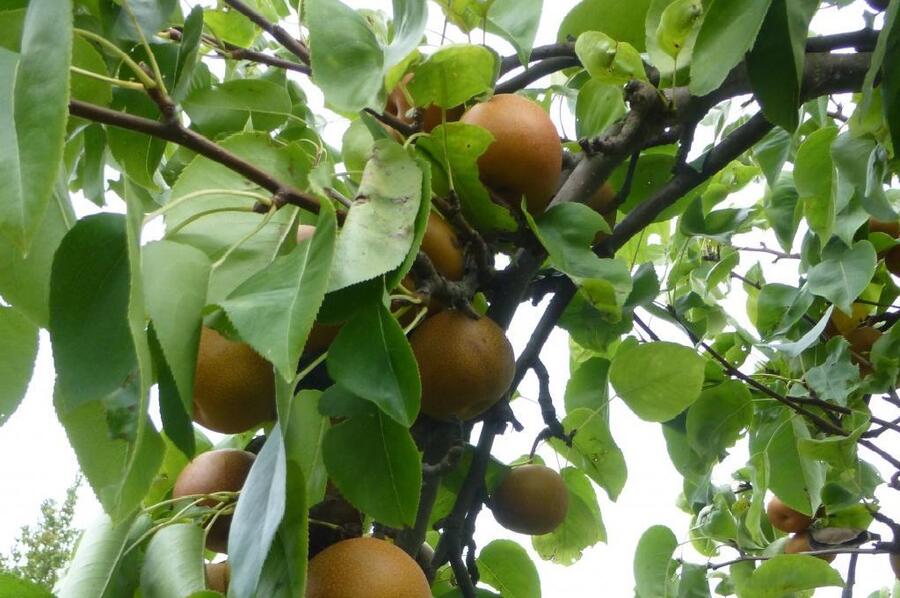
(234,388)
(223,470)
(525,157)
(218,575)
(365,567)
(531,499)
(785,518)
(465,365)
(799,543)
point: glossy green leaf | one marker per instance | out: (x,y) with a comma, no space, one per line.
(90,572)
(779,307)
(84,88)
(598,105)
(792,573)
(843,273)
(347,60)
(211,186)
(173,564)
(455,147)
(275,308)
(505,566)
(729,30)
(88,311)
(375,464)
(814,178)
(588,386)
(771,153)
(783,210)
(229,107)
(795,348)
(453,75)
(608,60)
(33,114)
(657,380)
(17,355)
(231,26)
(621,21)
(188,53)
(25,282)
(593,450)
(582,528)
(258,514)
(890,72)
(380,226)
(775,63)
(372,359)
(175,281)
(715,421)
(653,564)
(134,19)
(678,23)
(410,18)
(517,22)
(567,231)
(837,377)
(303,442)
(137,154)
(693,582)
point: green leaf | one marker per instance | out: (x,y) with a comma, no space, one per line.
(410,18)
(173,564)
(230,26)
(781,210)
(303,442)
(657,380)
(372,359)
(598,106)
(843,273)
(795,348)
(567,231)
(837,377)
(856,159)
(718,225)
(33,114)
(792,573)
(11,585)
(716,420)
(771,153)
(609,61)
(453,75)
(678,24)
(82,87)
(138,155)
(517,22)
(17,355)
(653,564)
(775,64)
(814,178)
(582,528)
(779,307)
(213,186)
(134,19)
(455,147)
(693,583)
(588,386)
(347,60)
(175,281)
(258,514)
(228,107)
(99,550)
(380,226)
(188,53)
(25,282)
(505,566)
(729,30)
(593,450)
(375,464)
(88,311)
(890,72)
(622,21)
(275,308)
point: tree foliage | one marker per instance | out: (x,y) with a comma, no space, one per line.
(40,552)
(193,126)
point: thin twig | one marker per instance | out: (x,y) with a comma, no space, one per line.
(290,43)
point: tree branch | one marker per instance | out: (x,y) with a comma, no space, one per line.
(564,50)
(290,43)
(538,71)
(176,133)
(232,52)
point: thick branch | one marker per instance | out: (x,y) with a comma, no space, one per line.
(176,133)
(566,50)
(290,43)
(538,71)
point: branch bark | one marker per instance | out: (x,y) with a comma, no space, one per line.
(290,43)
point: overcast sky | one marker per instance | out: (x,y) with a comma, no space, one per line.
(38,463)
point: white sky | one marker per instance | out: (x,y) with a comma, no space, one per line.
(38,463)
